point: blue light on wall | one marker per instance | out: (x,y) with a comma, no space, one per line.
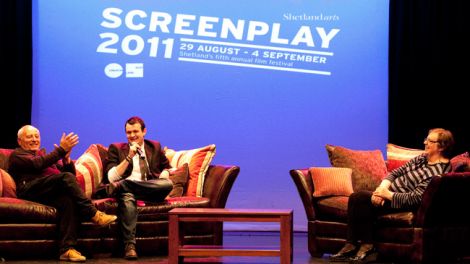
(269,82)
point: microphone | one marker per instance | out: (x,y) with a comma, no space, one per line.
(138,150)
(141,155)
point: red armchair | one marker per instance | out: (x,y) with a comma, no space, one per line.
(438,231)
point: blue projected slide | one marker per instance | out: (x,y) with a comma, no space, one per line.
(270,83)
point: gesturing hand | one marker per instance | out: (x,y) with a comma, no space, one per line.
(67,142)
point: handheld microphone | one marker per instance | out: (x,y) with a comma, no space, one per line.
(141,155)
(138,150)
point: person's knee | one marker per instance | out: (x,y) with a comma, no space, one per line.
(68,180)
(359,197)
(128,201)
(354,196)
(168,183)
(164,184)
(64,202)
(68,177)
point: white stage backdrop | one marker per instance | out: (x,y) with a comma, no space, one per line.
(268,82)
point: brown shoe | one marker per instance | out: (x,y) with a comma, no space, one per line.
(103,219)
(130,253)
(72,255)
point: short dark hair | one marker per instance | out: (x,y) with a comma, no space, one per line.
(133,120)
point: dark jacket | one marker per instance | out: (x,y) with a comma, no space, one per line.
(27,165)
(156,158)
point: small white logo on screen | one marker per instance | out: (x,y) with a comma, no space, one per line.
(134,70)
(113,70)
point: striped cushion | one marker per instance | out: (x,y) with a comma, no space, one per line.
(397,155)
(198,162)
(89,170)
(331,181)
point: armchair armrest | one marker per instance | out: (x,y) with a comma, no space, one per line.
(304,184)
(445,201)
(218,182)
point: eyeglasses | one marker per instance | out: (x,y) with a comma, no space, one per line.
(430,141)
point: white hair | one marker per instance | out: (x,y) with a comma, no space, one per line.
(23,128)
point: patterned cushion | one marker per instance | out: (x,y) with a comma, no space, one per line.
(89,170)
(397,155)
(1,183)
(198,162)
(8,188)
(4,156)
(179,177)
(368,166)
(460,163)
(331,181)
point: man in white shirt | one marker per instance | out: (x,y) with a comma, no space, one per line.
(136,170)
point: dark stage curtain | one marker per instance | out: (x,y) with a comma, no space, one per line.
(427,69)
(16,75)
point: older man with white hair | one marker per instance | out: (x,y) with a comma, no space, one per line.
(49,178)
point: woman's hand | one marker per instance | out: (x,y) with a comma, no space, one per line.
(383,193)
(377,200)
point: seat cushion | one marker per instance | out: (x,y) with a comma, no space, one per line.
(401,219)
(154,211)
(15,210)
(333,208)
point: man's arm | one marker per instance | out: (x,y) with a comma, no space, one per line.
(115,168)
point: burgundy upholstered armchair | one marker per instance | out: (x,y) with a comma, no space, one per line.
(438,231)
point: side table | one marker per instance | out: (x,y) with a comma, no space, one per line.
(176,249)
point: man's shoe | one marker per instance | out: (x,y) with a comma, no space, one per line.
(103,219)
(344,254)
(72,255)
(365,254)
(130,252)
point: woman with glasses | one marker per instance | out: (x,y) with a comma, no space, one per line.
(402,189)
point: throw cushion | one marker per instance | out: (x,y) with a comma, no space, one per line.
(1,183)
(4,156)
(461,163)
(89,170)
(8,185)
(368,166)
(179,177)
(397,155)
(198,161)
(331,181)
